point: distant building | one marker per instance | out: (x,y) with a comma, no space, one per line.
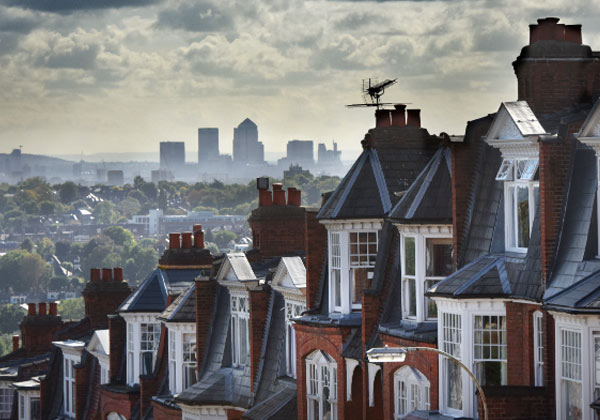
(115,177)
(300,151)
(295,170)
(246,147)
(208,144)
(161,175)
(157,223)
(326,157)
(172,154)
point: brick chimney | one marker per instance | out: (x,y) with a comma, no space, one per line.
(278,195)
(15,342)
(556,71)
(316,250)
(205,294)
(186,240)
(294,197)
(399,115)
(174,240)
(38,329)
(259,306)
(103,297)
(413,117)
(382,118)
(198,236)
(186,250)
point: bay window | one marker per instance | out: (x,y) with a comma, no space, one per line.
(321,386)
(240,334)
(411,391)
(189,360)
(352,257)
(6,401)
(426,260)
(490,349)
(292,310)
(149,341)
(29,405)
(182,356)
(143,340)
(451,371)
(521,194)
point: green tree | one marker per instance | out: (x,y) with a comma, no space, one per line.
(223,237)
(5,344)
(68,192)
(47,208)
(72,308)
(58,283)
(27,245)
(119,235)
(62,248)
(129,206)
(105,212)
(162,200)
(45,248)
(10,317)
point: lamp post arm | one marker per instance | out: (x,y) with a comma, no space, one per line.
(461,364)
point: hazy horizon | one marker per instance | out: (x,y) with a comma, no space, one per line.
(120,76)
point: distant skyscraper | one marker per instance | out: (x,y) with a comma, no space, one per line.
(300,151)
(326,157)
(172,155)
(246,147)
(208,144)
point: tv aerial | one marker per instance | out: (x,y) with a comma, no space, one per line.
(372,90)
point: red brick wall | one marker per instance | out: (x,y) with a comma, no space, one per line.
(277,230)
(424,361)
(519,341)
(234,414)
(103,297)
(516,403)
(259,303)
(164,412)
(316,249)
(205,290)
(83,375)
(118,402)
(329,340)
(118,336)
(38,332)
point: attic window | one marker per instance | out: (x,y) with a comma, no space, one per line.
(526,169)
(505,171)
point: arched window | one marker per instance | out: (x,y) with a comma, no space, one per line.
(411,391)
(321,386)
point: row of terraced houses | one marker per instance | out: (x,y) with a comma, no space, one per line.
(485,246)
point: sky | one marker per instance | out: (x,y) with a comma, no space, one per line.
(99,76)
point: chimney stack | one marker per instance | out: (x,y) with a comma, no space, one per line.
(294,197)
(117,274)
(95,274)
(382,118)
(53,309)
(278,195)
(107,275)
(15,342)
(198,236)
(548,29)
(42,308)
(186,240)
(399,115)
(413,117)
(174,241)
(31,309)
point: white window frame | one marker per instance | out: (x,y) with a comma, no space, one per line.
(26,399)
(178,332)
(538,348)
(69,397)
(490,352)
(341,301)
(321,372)
(240,321)
(514,181)
(6,400)
(570,366)
(134,350)
(420,277)
(293,309)
(411,389)
(189,360)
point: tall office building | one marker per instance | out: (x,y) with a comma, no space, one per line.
(300,151)
(208,144)
(246,147)
(172,155)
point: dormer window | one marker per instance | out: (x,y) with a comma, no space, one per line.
(240,335)
(143,339)
(182,357)
(292,310)
(521,194)
(352,257)
(426,260)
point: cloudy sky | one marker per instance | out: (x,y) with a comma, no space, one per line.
(121,75)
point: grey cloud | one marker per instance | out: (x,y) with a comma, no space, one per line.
(70,6)
(8,42)
(201,16)
(353,21)
(79,57)
(17,23)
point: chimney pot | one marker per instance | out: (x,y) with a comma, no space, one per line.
(278,195)
(399,115)
(174,240)
(42,308)
(265,198)
(382,118)
(31,309)
(15,342)
(53,309)
(294,197)
(196,228)
(107,274)
(573,34)
(198,238)
(117,274)
(95,274)
(186,240)
(413,117)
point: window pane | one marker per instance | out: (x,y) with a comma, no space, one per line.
(337,287)
(411,297)
(430,305)
(571,399)
(523,216)
(438,257)
(409,256)
(454,384)
(361,279)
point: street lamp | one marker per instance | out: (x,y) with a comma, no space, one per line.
(398,354)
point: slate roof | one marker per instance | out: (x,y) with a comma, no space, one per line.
(429,198)
(280,405)
(581,297)
(369,188)
(151,294)
(182,309)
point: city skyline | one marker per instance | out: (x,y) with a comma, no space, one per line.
(113,76)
